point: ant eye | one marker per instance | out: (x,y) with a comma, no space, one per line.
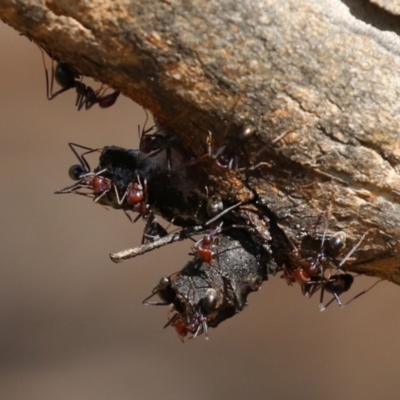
(336,242)
(211,300)
(214,205)
(76,171)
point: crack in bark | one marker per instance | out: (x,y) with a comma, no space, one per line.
(374,15)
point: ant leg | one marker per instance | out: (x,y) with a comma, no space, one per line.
(128,216)
(205,329)
(81,157)
(223,212)
(350,253)
(96,199)
(169,158)
(363,292)
(49,88)
(91,98)
(209,144)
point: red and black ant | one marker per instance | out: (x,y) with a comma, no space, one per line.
(180,326)
(118,172)
(195,321)
(152,142)
(94,181)
(338,284)
(188,317)
(215,209)
(69,77)
(311,274)
(203,247)
(136,199)
(228,155)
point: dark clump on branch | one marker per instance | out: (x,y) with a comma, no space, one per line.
(242,242)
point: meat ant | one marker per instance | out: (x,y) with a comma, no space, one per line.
(69,77)
(118,172)
(338,284)
(136,197)
(195,321)
(228,155)
(311,274)
(180,326)
(215,209)
(203,247)
(184,322)
(94,181)
(152,142)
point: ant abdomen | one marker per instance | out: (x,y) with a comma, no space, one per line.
(339,284)
(109,99)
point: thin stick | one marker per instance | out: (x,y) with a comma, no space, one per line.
(145,248)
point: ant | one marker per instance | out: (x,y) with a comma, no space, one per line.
(154,143)
(117,172)
(338,284)
(136,197)
(196,319)
(69,77)
(311,276)
(82,173)
(203,246)
(228,156)
(191,309)
(215,209)
(304,274)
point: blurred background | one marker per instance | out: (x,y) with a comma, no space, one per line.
(72,325)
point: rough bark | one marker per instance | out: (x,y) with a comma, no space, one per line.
(324,72)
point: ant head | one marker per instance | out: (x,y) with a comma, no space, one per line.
(164,291)
(65,74)
(336,243)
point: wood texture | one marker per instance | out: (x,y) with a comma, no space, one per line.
(324,72)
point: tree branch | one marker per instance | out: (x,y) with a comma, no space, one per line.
(312,69)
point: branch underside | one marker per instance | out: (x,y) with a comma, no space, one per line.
(317,74)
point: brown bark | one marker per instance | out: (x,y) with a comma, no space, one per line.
(312,69)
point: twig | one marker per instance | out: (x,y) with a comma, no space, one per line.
(145,248)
